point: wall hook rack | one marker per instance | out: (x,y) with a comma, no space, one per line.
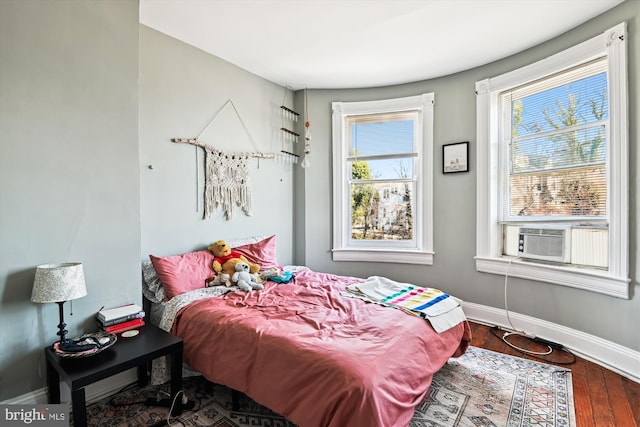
(289,113)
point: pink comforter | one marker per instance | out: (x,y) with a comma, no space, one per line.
(318,358)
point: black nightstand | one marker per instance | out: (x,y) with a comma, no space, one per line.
(126,353)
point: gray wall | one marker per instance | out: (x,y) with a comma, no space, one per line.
(69,178)
(181,90)
(453,270)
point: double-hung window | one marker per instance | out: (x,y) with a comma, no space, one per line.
(382,160)
(556,134)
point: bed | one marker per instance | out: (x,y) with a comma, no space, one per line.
(303,348)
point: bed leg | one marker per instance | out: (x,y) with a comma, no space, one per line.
(235,400)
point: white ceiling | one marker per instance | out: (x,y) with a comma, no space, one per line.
(364,43)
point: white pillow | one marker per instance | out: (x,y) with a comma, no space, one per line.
(247,240)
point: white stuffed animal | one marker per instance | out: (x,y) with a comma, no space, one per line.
(245,280)
(220,279)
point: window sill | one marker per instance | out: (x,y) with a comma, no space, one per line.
(384,255)
(580,278)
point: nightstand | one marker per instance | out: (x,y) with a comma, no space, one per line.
(126,353)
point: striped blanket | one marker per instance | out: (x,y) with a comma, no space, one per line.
(442,310)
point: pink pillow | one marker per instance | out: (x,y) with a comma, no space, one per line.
(262,253)
(183,273)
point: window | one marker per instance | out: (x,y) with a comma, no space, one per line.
(556,133)
(382,160)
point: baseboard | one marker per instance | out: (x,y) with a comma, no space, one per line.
(93,392)
(610,355)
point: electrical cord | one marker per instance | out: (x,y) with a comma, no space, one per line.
(173,404)
(150,401)
(498,333)
(112,401)
(515,332)
(167,421)
(524,350)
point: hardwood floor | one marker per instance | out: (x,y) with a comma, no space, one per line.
(602,398)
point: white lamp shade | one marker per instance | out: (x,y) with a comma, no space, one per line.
(58,282)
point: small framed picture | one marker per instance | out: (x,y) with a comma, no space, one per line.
(455,157)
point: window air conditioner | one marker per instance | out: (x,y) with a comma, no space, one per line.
(546,244)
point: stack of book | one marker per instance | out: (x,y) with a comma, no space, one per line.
(120,319)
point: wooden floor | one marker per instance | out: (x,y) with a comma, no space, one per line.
(602,398)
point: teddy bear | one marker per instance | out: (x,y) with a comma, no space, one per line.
(225,259)
(245,280)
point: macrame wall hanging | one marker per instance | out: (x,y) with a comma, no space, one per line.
(226,174)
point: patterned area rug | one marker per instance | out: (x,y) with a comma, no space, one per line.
(480,389)
(487,389)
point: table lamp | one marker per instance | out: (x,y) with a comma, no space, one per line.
(59,283)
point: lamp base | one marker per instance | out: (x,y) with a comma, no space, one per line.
(62,332)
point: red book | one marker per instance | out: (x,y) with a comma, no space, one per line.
(124,326)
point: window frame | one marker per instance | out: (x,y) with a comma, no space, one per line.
(489,258)
(375,251)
